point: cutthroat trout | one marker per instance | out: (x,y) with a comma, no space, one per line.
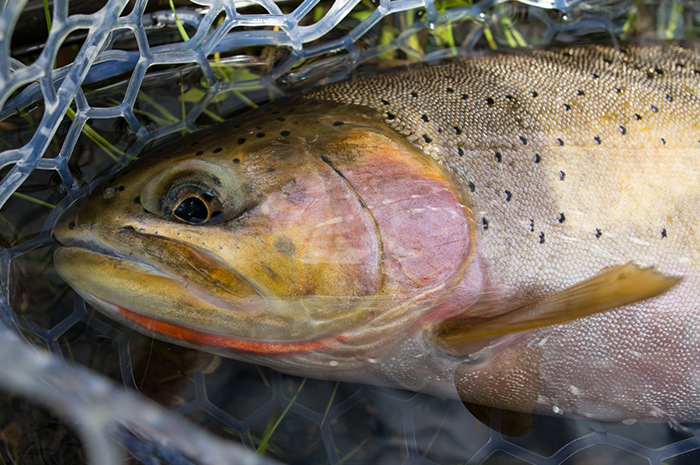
(519,230)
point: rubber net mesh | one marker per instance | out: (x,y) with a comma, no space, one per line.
(85,88)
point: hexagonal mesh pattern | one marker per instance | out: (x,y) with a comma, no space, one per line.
(84,91)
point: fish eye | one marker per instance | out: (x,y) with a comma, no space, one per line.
(197,192)
(193,204)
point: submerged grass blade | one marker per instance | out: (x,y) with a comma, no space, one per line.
(266,439)
(100,141)
(330,402)
(47,13)
(180,27)
(354,451)
(32,199)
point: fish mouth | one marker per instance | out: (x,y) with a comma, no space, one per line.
(185,296)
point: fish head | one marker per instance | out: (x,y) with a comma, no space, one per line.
(310,230)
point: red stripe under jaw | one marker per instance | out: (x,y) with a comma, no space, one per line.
(201,338)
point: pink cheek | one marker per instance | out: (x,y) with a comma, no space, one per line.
(423,226)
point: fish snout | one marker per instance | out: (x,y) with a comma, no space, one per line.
(69,224)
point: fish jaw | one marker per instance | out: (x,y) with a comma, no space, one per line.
(347,242)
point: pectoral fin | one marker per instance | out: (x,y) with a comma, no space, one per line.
(613,287)
(505,421)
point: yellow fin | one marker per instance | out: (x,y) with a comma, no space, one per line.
(613,287)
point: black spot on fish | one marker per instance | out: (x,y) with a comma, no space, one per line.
(390,116)
(680,65)
(560,142)
(669,97)
(499,157)
(623,130)
(595,76)
(472,187)
(637,116)
(523,140)
(465,96)
(425,118)
(457,130)
(427,138)
(271,170)
(654,108)
(607,61)
(696,72)
(663,233)
(485,223)
(580,92)
(567,107)
(414,94)
(241,141)
(285,133)
(509,195)
(598,233)
(460,151)
(509,97)
(260,134)
(450,90)
(199,153)
(562,175)
(338,123)
(561,217)
(618,90)
(541,237)
(128,227)
(659,71)
(137,199)
(439,130)
(538,158)
(650,75)
(285,246)
(385,102)
(489,101)
(532,225)
(534,93)
(280,119)
(270,272)
(597,139)
(71,225)
(217,150)
(236,160)
(663,141)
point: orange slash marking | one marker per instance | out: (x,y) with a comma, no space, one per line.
(214,340)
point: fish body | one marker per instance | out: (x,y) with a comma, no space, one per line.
(339,234)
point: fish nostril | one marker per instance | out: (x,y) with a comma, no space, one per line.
(71,225)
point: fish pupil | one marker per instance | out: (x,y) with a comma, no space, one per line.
(193,210)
